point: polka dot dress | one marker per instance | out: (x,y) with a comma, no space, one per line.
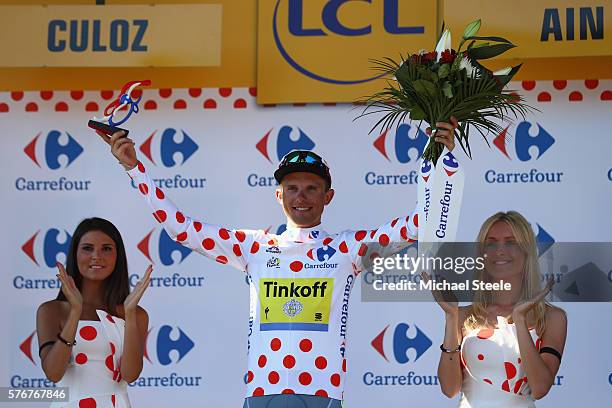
(93,375)
(493,372)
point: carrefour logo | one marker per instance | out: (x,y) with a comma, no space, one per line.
(274,145)
(400,342)
(26,347)
(55,150)
(168,342)
(340,28)
(543,239)
(404,145)
(527,148)
(169,147)
(159,248)
(47,246)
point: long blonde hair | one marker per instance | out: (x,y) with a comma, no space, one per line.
(532,279)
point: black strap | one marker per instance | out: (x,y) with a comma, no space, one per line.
(45,344)
(552,351)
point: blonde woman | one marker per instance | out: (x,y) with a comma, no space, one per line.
(505,349)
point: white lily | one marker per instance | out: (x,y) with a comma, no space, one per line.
(504,71)
(444,43)
(471,70)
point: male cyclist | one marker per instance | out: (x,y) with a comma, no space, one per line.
(300,280)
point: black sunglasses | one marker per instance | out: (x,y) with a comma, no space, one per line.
(304,157)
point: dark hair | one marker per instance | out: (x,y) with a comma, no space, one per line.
(117,283)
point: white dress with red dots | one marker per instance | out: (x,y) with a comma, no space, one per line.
(493,373)
(93,375)
(300,282)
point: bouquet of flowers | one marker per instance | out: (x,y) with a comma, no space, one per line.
(433,86)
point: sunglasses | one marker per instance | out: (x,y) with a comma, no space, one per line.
(304,157)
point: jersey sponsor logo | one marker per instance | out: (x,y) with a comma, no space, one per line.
(273,250)
(321,254)
(295,303)
(273,262)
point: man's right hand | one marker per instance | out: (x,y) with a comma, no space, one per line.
(122,147)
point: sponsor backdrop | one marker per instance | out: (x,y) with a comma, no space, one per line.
(213,151)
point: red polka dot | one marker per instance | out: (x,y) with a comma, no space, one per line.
(31,107)
(288,391)
(544,97)
(296,266)
(273,377)
(404,233)
(606,96)
(394,222)
(208,244)
(197,225)
(113,399)
(253,91)
(335,380)
(87,403)
(240,104)
(506,386)
(160,215)
(373,232)
(249,376)
(591,83)
(141,167)
(485,333)
(480,357)
(165,92)
(210,104)
(343,247)
(327,240)
(4,107)
(61,107)
(289,361)
(415,220)
(240,236)
(362,250)
(560,84)
(383,240)
(144,189)
(305,378)
(159,193)
(181,236)
(344,365)
(88,333)
(221,259)
(487,381)
(180,217)
(180,104)
(46,95)
(236,250)
(575,96)
(224,234)
(76,95)
(321,363)
(261,361)
(81,358)
(519,360)
(255,247)
(275,344)
(305,345)
(195,92)
(321,393)
(92,107)
(510,369)
(529,85)
(225,92)
(258,392)
(538,344)
(359,235)
(150,105)
(112,347)
(110,363)
(106,94)
(17,95)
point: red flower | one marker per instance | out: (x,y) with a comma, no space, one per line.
(428,57)
(448,56)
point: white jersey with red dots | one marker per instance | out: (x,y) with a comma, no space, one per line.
(300,282)
(494,375)
(93,375)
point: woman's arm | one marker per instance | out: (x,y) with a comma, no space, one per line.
(449,366)
(542,369)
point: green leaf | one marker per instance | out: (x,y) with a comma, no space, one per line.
(497,39)
(417,113)
(471,29)
(489,51)
(424,88)
(444,71)
(447,90)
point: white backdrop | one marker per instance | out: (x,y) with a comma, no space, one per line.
(210,148)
